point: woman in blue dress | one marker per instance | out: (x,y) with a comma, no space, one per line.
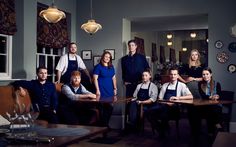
(105,84)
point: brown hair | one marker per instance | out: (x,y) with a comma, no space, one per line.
(103,56)
(204,85)
(75,73)
(198,62)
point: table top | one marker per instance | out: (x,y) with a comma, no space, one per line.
(60,140)
(114,99)
(199,102)
(225,139)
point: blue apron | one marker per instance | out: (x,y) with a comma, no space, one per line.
(72,66)
(169,92)
(143,94)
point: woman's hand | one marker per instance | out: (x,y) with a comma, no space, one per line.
(115,91)
(214,97)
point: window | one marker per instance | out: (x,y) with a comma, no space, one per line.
(49,58)
(5,57)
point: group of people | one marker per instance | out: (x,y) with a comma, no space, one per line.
(198,84)
(137,77)
(69,68)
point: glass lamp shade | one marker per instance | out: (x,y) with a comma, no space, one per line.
(91,27)
(193,35)
(169,36)
(52,14)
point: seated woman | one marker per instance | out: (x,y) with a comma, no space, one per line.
(210,89)
(145,93)
(72,111)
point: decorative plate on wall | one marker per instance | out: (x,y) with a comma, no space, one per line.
(233,30)
(232,68)
(232,47)
(219,44)
(222,57)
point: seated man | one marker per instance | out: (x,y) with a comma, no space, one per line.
(145,93)
(173,90)
(72,111)
(43,95)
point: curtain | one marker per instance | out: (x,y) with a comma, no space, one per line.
(52,35)
(162,54)
(154,52)
(7,17)
(140,45)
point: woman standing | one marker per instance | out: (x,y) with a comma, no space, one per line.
(105,84)
(194,72)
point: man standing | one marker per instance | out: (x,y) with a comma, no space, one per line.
(68,63)
(133,66)
(43,95)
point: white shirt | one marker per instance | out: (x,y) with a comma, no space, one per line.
(152,90)
(182,89)
(63,62)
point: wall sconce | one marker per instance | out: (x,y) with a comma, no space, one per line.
(169,43)
(193,35)
(91,26)
(169,36)
(52,14)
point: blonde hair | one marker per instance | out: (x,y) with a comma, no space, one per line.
(190,61)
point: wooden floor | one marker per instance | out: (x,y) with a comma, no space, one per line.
(148,139)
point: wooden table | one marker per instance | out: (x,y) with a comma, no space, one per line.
(225,139)
(199,102)
(67,140)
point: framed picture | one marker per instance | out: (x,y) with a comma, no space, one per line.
(96,60)
(112,51)
(86,54)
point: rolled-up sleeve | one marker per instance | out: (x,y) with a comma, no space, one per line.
(153,91)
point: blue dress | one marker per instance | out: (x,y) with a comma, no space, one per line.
(105,82)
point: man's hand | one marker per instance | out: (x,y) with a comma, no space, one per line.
(174,98)
(22,92)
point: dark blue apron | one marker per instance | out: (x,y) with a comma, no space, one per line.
(143,94)
(169,92)
(72,66)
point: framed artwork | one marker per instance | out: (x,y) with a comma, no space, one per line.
(96,60)
(112,51)
(86,54)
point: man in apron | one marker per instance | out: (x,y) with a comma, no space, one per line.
(68,63)
(173,90)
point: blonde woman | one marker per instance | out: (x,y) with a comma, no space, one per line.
(194,72)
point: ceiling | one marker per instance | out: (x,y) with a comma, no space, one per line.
(168,23)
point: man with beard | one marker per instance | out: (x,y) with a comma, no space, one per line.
(72,111)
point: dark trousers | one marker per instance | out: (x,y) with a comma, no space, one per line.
(78,113)
(130,88)
(134,112)
(211,113)
(105,110)
(46,113)
(159,116)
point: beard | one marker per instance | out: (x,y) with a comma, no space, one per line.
(77,84)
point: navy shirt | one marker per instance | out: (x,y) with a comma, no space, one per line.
(41,94)
(133,67)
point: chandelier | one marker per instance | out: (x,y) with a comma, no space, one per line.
(52,14)
(91,26)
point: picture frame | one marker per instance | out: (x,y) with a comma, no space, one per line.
(112,51)
(86,54)
(96,60)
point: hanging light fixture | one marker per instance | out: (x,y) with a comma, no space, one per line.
(91,26)
(169,43)
(52,14)
(169,36)
(193,35)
